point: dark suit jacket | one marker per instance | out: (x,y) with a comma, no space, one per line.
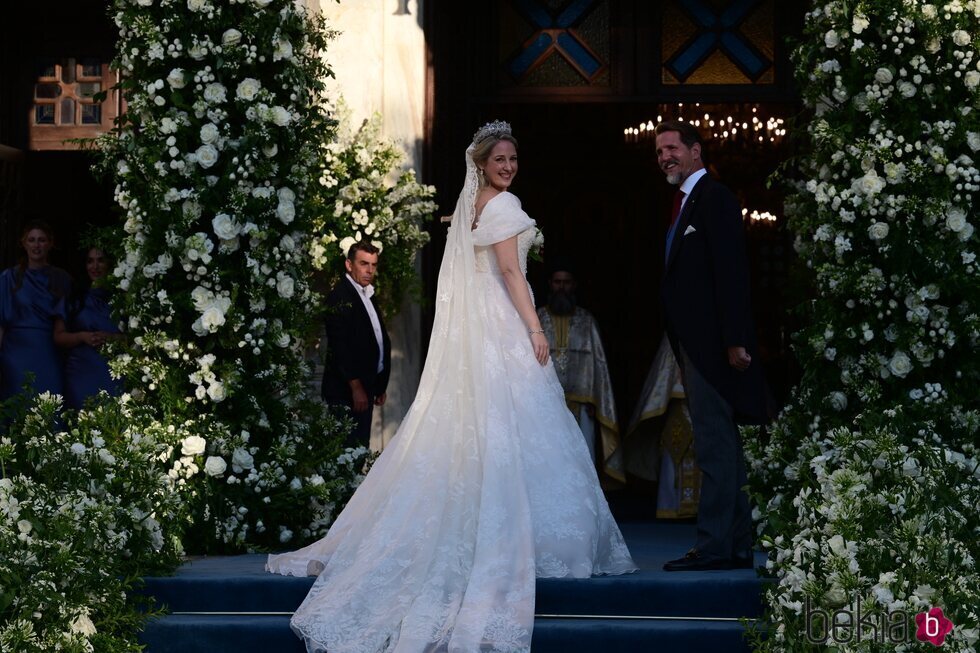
(705,293)
(352,349)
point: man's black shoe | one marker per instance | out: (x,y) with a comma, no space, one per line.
(694,561)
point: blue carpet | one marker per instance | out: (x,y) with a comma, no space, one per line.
(684,612)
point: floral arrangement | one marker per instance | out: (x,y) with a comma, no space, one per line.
(869,481)
(216,163)
(366,193)
(85,507)
(536,252)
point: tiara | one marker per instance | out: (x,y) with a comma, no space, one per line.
(495,129)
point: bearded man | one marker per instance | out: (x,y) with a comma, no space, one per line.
(580,361)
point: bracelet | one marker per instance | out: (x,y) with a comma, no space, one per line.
(538,331)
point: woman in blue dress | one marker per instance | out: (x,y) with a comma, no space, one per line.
(32,295)
(89,325)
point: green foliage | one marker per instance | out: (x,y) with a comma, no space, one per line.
(365,193)
(216,162)
(87,505)
(869,481)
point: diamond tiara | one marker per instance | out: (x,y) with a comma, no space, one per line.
(495,129)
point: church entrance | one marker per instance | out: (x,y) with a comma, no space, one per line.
(583,84)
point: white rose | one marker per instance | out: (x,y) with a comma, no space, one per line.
(193,445)
(283,340)
(869,184)
(973,140)
(215,466)
(933,45)
(207,156)
(225,227)
(212,318)
(248,89)
(243,459)
(285,286)
(176,78)
(884,76)
(286,243)
(231,37)
(281,116)
(216,391)
(345,244)
(270,150)
(859,23)
(838,401)
(961,38)
(956,219)
(966,232)
(202,298)
(78,448)
(285,535)
(878,231)
(197,5)
(831,39)
(283,50)
(215,93)
(144,3)
(261,4)
(900,364)
(286,194)
(907,89)
(286,211)
(929,11)
(971,79)
(209,133)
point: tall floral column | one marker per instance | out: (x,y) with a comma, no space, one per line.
(215,164)
(869,483)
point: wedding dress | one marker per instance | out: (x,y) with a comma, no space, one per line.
(486,485)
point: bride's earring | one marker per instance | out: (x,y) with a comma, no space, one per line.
(479,171)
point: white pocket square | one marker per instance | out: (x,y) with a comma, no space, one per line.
(689,230)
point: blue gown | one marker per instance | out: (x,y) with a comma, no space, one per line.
(86,371)
(27,316)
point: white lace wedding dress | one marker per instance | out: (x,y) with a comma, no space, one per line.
(486,485)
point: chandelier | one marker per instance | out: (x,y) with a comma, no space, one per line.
(741,124)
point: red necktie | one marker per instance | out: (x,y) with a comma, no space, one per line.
(676,211)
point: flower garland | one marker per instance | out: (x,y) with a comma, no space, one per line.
(365,193)
(869,482)
(216,163)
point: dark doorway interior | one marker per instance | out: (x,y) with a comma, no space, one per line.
(56,186)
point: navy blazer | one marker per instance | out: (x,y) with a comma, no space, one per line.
(705,293)
(352,349)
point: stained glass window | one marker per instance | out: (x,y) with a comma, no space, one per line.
(718,42)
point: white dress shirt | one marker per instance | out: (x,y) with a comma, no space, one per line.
(689,183)
(365,293)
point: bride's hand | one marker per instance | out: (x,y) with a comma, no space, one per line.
(541,347)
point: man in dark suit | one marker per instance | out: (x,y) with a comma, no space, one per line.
(705,295)
(358,348)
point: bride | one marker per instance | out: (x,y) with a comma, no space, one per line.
(487,483)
